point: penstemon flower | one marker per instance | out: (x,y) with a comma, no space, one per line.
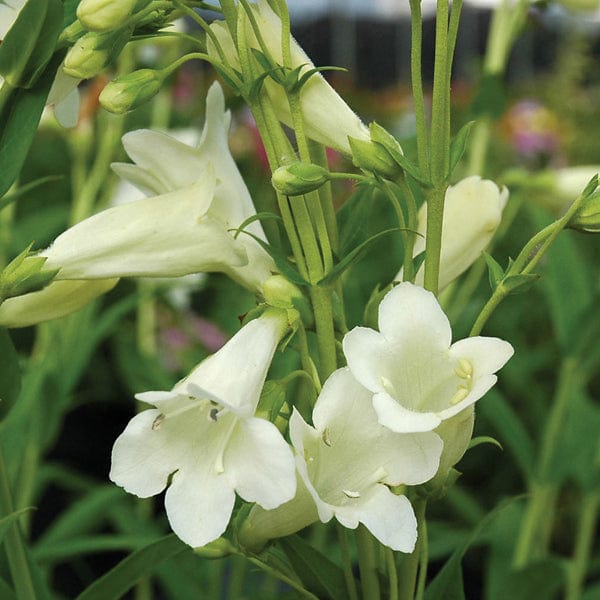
(327,118)
(418,377)
(472,212)
(345,464)
(203,441)
(185,228)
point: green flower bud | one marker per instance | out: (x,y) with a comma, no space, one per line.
(104,15)
(279,292)
(23,275)
(299,178)
(374,157)
(587,218)
(130,91)
(95,51)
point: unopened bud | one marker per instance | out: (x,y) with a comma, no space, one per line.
(23,275)
(130,91)
(374,157)
(93,52)
(299,178)
(587,218)
(104,15)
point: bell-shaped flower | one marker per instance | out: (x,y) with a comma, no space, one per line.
(348,459)
(203,441)
(56,300)
(164,164)
(327,118)
(345,464)
(472,212)
(418,377)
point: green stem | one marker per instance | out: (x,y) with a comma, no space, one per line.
(439,142)
(433,237)
(423,553)
(369,580)
(342,533)
(588,518)
(409,564)
(392,573)
(417,83)
(15,549)
(323,311)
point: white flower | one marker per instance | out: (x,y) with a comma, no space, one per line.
(202,437)
(347,460)
(327,118)
(163,165)
(472,212)
(56,300)
(418,376)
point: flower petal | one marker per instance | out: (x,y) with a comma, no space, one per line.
(366,351)
(388,517)
(486,354)
(260,465)
(411,315)
(396,417)
(199,505)
(143,458)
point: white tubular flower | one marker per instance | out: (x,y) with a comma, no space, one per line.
(202,437)
(418,376)
(163,165)
(327,118)
(472,212)
(164,236)
(347,460)
(56,300)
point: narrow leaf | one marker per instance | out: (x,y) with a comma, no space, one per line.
(458,146)
(484,439)
(352,257)
(10,373)
(319,574)
(25,189)
(8,520)
(495,271)
(129,571)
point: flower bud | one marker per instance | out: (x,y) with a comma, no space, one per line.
(24,274)
(280,293)
(373,157)
(95,51)
(299,178)
(104,15)
(587,217)
(130,91)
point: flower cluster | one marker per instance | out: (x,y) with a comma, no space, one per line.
(397,415)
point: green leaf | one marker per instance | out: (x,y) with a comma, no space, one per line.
(6,592)
(10,373)
(513,435)
(25,189)
(517,284)
(352,257)
(484,439)
(495,271)
(283,264)
(8,520)
(458,146)
(491,97)
(448,583)
(319,574)
(30,43)
(541,579)
(261,216)
(81,516)
(18,124)
(353,218)
(129,571)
